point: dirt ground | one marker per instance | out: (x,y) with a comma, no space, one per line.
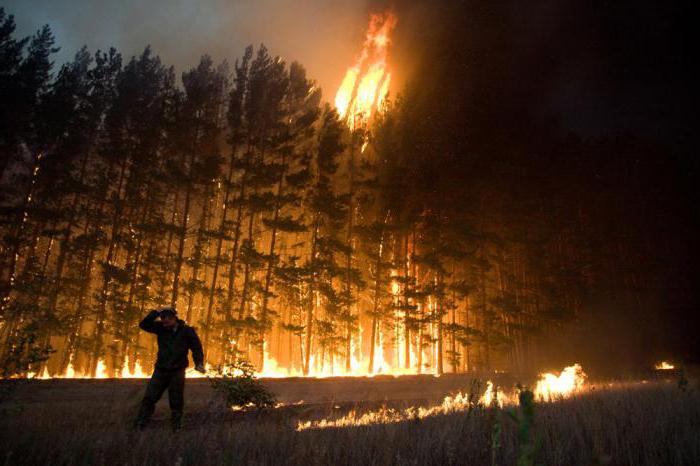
(411,389)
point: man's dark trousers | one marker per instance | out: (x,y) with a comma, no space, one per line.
(174,382)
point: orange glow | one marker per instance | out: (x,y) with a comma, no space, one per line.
(366,84)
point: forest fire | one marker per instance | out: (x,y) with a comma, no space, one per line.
(386,233)
(366,83)
(569,380)
(361,94)
(373,295)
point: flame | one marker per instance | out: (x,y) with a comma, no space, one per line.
(664,366)
(101,372)
(366,84)
(570,380)
(273,370)
(493,394)
(551,386)
(358,364)
(70,371)
(137,373)
(450,404)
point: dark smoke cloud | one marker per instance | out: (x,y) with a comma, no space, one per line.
(596,67)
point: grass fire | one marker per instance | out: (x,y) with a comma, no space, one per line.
(406,232)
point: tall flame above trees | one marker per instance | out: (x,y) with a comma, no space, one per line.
(366,83)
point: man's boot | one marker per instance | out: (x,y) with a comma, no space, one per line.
(176,420)
(142,419)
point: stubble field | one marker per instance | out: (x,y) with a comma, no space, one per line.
(343,421)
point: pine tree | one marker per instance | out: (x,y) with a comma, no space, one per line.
(134,129)
(291,153)
(11,127)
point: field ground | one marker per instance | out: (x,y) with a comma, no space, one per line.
(87,422)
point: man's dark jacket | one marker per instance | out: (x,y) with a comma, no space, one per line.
(174,345)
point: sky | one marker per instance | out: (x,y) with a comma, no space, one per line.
(323,35)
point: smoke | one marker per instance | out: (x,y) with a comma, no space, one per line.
(596,69)
(323,35)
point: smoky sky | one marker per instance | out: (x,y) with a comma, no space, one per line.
(323,35)
(597,67)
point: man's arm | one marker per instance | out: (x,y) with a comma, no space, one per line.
(197,351)
(149,323)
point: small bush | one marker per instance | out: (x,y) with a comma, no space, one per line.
(24,352)
(239,387)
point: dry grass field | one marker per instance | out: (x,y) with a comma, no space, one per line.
(88,422)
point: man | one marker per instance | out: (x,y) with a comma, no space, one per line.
(175,339)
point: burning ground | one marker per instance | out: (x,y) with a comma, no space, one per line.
(379,420)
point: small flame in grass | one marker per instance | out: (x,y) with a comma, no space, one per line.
(551,386)
(450,404)
(664,366)
(493,394)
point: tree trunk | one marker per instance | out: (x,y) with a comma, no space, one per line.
(270,266)
(100,316)
(181,248)
(199,252)
(312,297)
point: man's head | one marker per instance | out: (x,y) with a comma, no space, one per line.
(168,315)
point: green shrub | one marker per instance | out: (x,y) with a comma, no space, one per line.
(240,388)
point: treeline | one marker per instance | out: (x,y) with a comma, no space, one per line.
(236,195)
